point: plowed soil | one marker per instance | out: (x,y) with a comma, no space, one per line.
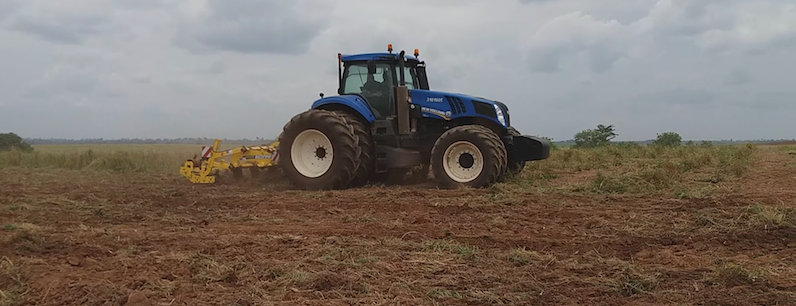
(84,238)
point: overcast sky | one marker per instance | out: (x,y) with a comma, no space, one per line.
(707,69)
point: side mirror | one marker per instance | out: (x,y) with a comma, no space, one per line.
(371,67)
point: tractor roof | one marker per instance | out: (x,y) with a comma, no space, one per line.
(374,56)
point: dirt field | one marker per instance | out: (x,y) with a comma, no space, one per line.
(562,234)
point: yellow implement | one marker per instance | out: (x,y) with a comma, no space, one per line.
(203,171)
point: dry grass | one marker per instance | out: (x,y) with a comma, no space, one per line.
(620,168)
(144,158)
(772,217)
(687,171)
(206,269)
(12,283)
(732,274)
(524,257)
(613,274)
(154,161)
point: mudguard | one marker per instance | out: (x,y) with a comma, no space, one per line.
(354,102)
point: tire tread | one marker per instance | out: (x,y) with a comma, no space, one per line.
(364,145)
(495,149)
(340,132)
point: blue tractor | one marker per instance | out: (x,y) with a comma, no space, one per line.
(386,118)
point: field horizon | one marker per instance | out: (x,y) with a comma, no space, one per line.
(625,224)
(260,140)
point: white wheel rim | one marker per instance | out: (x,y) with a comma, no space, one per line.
(463,161)
(311,153)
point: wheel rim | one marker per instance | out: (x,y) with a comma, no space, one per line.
(311,153)
(463,162)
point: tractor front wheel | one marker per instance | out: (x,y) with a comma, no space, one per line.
(318,151)
(468,156)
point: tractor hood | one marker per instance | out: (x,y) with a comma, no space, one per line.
(485,100)
(442,94)
(461,104)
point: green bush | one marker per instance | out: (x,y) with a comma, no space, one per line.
(668,139)
(11,141)
(591,138)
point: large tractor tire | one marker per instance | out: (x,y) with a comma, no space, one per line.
(468,156)
(366,155)
(318,151)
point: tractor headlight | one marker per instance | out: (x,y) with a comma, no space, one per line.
(499,113)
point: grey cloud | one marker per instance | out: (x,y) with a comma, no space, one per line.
(66,30)
(734,28)
(681,95)
(251,26)
(142,79)
(770,99)
(55,22)
(622,11)
(216,67)
(143,4)
(564,38)
(738,76)
(713,26)
(602,57)
(545,61)
(689,18)
(8,8)
(73,84)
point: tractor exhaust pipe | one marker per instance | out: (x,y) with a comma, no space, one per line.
(339,74)
(402,94)
(401,65)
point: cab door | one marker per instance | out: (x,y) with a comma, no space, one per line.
(373,81)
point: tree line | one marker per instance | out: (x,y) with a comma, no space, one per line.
(589,138)
(184,140)
(604,134)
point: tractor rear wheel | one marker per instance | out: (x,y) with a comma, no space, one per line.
(318,151)
(468,156)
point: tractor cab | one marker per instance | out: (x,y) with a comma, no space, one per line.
(378,77)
